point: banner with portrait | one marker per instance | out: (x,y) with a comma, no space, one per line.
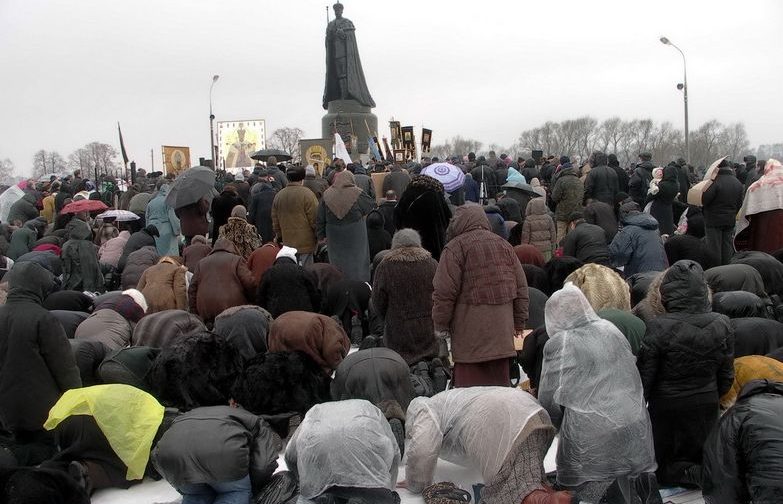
(396,134)
(409,141)
(426,141)
(176,159)
(237,141)
(316,152)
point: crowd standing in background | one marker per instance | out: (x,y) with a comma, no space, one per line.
(364,319)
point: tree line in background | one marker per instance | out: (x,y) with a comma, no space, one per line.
(579,137)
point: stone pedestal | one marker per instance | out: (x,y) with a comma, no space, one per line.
(351,120)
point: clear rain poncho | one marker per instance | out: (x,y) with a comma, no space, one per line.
(343,443)
(592,390)
(472,427)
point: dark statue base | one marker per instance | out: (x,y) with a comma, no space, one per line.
(351,119)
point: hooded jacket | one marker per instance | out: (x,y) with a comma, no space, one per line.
(23,240)
(638,245)
(538,228)
(166,328)
(601,183)
(480,291)
(568,194)
(81,270)
(320,337)
(221,280)
(246,328)
(742,454)
(36,362)
(24,209)
(687,352)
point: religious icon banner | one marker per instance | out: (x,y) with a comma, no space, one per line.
(316,152)
(237,141)
(176,159)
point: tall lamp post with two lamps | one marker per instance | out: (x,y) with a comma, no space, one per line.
(212,146)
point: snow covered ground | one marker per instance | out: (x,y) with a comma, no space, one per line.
(157,492)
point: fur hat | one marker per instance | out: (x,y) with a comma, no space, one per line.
(137,297)
(239,211)
(286,251)
(198,239)
(406,238)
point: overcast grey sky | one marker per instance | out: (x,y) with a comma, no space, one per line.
(487,70)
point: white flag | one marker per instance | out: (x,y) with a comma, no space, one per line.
(339,149)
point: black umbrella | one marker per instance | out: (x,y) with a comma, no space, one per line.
(265,154)
(192,185)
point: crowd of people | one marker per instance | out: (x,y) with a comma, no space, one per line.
(363,319)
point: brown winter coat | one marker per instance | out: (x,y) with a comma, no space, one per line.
(221,280)
(196,251)
(480,291)
(539,228)
(108,327)
(293,217)
(163,286)
(319,336)
(193,218)
(402,297)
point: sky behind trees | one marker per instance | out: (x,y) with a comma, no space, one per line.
(486,70)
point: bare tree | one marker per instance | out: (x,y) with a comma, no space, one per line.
(456,146)
(47,162)
(287,140)
(95,159)
(7,170)
(770,151)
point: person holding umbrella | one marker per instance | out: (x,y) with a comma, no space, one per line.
(190,196)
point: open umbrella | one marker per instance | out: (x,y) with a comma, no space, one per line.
(447,174)
(265,154)
(85,205)
(192,185)
(119,215)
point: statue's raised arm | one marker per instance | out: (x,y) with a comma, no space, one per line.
(344,74)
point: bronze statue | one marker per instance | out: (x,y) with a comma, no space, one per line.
(344,74)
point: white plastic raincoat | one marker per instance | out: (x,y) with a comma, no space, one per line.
(592,390)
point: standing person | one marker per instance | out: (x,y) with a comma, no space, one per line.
(683,180)
(567,194)
(340,222)
(423,207)
(221,208)
(640,179)
(480,297)
(622,176)
(396,180)
(81,269)
(314,182)
(279,179)
(538,228)
(193,219)
(591,389)
(601,183)
(722,200)
(36,362)
(686,365)
(165,219)
(662,200)
(363,181)
(293,216)
(260,209)
(377,237)
(386,208)
(240,232)
(402,298)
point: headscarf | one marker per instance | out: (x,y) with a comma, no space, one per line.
(342,195)
(763,195)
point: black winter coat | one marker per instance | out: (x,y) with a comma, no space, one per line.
(137,241)
(601,214)
(221,210)
(722,200)
(639,182)
(375,375)
(36,362)
(687,353)
(679,247)
(661,207)
(742,454)
(486,174)
(601,184)
(286,287)
(587,242)
(260,211)
(386,209)
(756,336)
(738,304)
(770,269)
(377,237)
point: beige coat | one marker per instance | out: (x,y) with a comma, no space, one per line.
(293,217)
(164,286)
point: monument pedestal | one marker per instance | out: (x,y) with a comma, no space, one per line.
(351,119)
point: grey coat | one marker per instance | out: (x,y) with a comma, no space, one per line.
(348,247)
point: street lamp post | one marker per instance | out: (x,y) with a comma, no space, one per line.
(684,88)
(212,149)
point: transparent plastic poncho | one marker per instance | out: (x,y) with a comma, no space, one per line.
(343,443)
(592,390)
(473,427)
